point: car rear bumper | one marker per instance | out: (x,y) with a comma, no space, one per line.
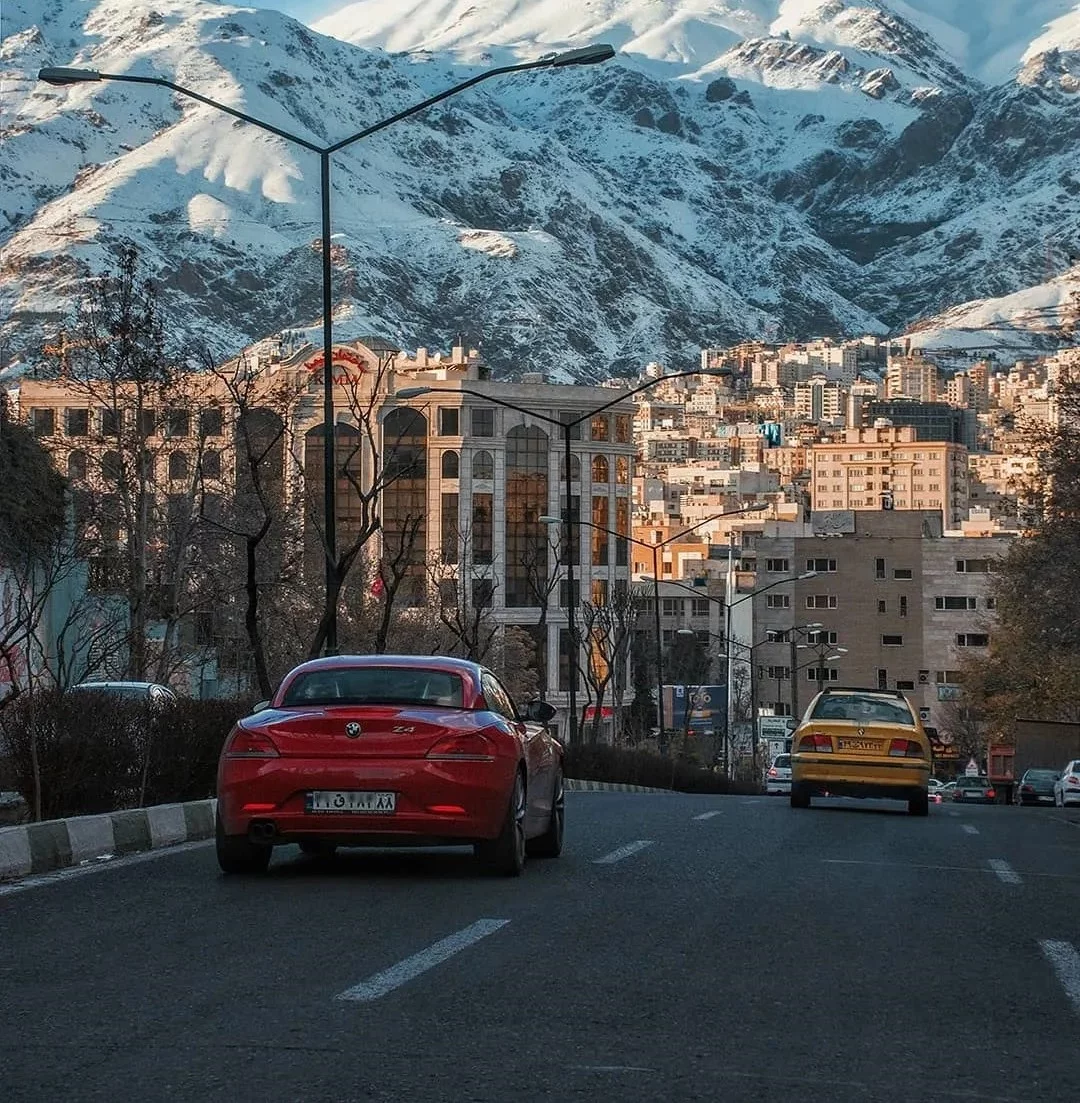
(899,779)
(436,802)
(781,786)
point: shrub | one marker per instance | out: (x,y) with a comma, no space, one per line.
(601,762)
(105,753)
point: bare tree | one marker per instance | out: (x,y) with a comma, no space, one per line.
(542,579)
(607,630)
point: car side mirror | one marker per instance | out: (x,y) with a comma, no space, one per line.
(260,706)
(540,712)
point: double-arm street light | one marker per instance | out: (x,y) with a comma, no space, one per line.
(586,55)
(656,549)
(566,428)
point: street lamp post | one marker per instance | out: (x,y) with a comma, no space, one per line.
(656,548)
(820,649)
(566,429)
(586,55)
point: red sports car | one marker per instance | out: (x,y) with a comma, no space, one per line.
(391,750)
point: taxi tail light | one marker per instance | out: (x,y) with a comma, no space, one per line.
(815,741)
(463,747)
(905,748)
(250,744)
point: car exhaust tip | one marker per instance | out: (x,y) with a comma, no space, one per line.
(262,831)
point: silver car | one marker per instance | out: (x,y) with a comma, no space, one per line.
(778,778)
(151,692)
(1067,787)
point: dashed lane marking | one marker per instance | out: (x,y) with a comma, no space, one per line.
(622,852)
(1006,874)
(970,828)
(377,986)
(706,815)
(1066,962)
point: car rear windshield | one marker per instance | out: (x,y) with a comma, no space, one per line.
(974,783)
(1041,775)
(863,709)
(782,760)
(133,692)
(376,685)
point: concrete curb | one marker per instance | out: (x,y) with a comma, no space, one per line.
(56,844)
(574,786)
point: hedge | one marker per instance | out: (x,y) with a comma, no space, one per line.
(601,762)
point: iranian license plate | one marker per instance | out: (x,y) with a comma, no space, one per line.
(859,744)
(351,801)
(1046,798)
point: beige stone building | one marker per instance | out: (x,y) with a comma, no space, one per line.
(871,467)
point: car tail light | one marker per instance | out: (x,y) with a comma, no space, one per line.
(990,794)
(1027,788)
(905,748)
(258,806)
(446,809)
(773,772)
(815,741)
(1070,780)
(464,747)
(250,744)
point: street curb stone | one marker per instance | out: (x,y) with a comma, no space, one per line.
(57,844)
(575,786)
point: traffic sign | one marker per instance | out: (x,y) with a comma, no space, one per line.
(971,769)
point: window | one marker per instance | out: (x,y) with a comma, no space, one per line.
(376,685)
(781,708)
(211,464)
(449,525)
(699,606)
(178,465)
(892,641)
(564,593)
(77,466)
(822,566)
(671,606)
(567,668)
(449,421)
(448,594)
(211,422)
(972,639)
(622,527)
(954,603)
(622,470)
(599,592)
(599,535)
(776,635)
(112,467)
(177,423)
(821,601)
(949,677)
(991,602)
(879,568)
(777,566)
(451,465)
(622,429)
(864,708)
(483,466)
(76,422)
(905,685)
(43,421)
(903,605)
(527,547)
(972,566)
(902,574)
(777,601)
(483,592)
(821,637)
(599,427)
(601,472)
(780,673)
(822,674)
(482,528)
(109,421)
(496,698)
(882,678)
(882,606)
(483,421)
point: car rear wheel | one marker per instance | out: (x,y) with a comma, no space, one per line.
(318,848)
(800,796)
(549,845)
(237,853)
(919,805)
(505,854)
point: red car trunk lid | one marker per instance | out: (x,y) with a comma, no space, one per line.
(364,731)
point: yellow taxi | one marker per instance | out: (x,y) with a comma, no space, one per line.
(861,743)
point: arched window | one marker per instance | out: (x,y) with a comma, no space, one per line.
(211,464)
(111,467)
(77,466)
(601,472)
(404,497)
(575,468)
(178,465)
(451,465)
(483,466)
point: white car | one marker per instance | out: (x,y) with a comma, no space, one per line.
(1067,787)
(778,779)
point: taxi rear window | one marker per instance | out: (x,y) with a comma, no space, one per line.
(863,709)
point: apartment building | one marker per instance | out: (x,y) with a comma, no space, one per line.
(911,377)
(820,399)
(869,468)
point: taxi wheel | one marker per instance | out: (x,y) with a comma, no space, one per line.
(919,806)
(800,797)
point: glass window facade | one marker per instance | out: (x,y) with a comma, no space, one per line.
(526,500)
(600,537)
(404,497)
(482,528)
(483,466)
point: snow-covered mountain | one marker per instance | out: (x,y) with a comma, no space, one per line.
(778,168)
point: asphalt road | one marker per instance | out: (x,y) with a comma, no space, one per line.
(747,952)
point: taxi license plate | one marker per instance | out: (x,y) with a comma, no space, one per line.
(859,744)
(351,801)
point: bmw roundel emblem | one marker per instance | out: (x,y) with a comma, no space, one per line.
(352,729)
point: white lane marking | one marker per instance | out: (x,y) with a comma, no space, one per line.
(622,852)
(1066,962)
(42,880)
(1005,872)
(970,828)
(609,1068)
(706,815)
(953,812)
(948,869)
(380,984)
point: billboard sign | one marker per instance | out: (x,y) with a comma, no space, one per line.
(700,708)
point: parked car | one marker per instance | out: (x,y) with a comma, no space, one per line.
(1036,787)
(934,785)
(151,692)
(974,790)
(1067,786)
(861,743)
(778,779)
(391,750)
